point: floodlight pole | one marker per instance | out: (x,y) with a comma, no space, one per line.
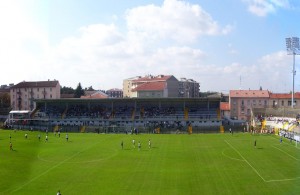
(292,46)
(294,73)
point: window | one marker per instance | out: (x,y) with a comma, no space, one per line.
(50,95)
(266,102)
(242,102)
(282,103)
(50,88)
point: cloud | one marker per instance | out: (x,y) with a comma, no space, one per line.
(272,72)
(23,45)
(175,20)
(156,40)
(265,7)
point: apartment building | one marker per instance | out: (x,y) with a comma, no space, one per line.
(128,86)
(23,93)
(279,100)
(114,93)
(188,88)
(151,86)
(242,101)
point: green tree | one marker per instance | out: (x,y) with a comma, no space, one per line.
(67,90)
(78,91)
(90,88)
(5,100)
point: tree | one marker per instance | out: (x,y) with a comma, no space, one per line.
(90,88)
(78,91)
(5,100)
(67,90)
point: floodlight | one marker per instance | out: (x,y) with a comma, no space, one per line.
(292,47)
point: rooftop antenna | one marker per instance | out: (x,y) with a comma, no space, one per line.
(240,82)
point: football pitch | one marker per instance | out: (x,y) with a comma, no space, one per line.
(175,164)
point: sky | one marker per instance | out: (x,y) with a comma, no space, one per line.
(222,44)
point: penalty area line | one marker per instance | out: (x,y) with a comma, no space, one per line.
(245,160)
(286,153)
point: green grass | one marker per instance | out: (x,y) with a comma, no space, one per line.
(176,164)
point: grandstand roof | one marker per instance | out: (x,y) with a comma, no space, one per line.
(153,86)
(249,93)
(25,84)
(284,95)
(224,106)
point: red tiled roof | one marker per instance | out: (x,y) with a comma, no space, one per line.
(95,95)
(249,93)
(153,86)
(153,78)
(284,95)
(224,106)
(25,84)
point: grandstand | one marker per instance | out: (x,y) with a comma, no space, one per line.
(276,120)
(148,115)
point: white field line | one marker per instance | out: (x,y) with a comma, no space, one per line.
(230,156)
(246,161)
(51,168)
(285,153)
(276,180)
(290,144)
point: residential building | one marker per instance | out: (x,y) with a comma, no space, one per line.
(280,100)
(128,86)
(153,86)
(114,93)
(23,93)
(242,101)
(188,88)
(225,109)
